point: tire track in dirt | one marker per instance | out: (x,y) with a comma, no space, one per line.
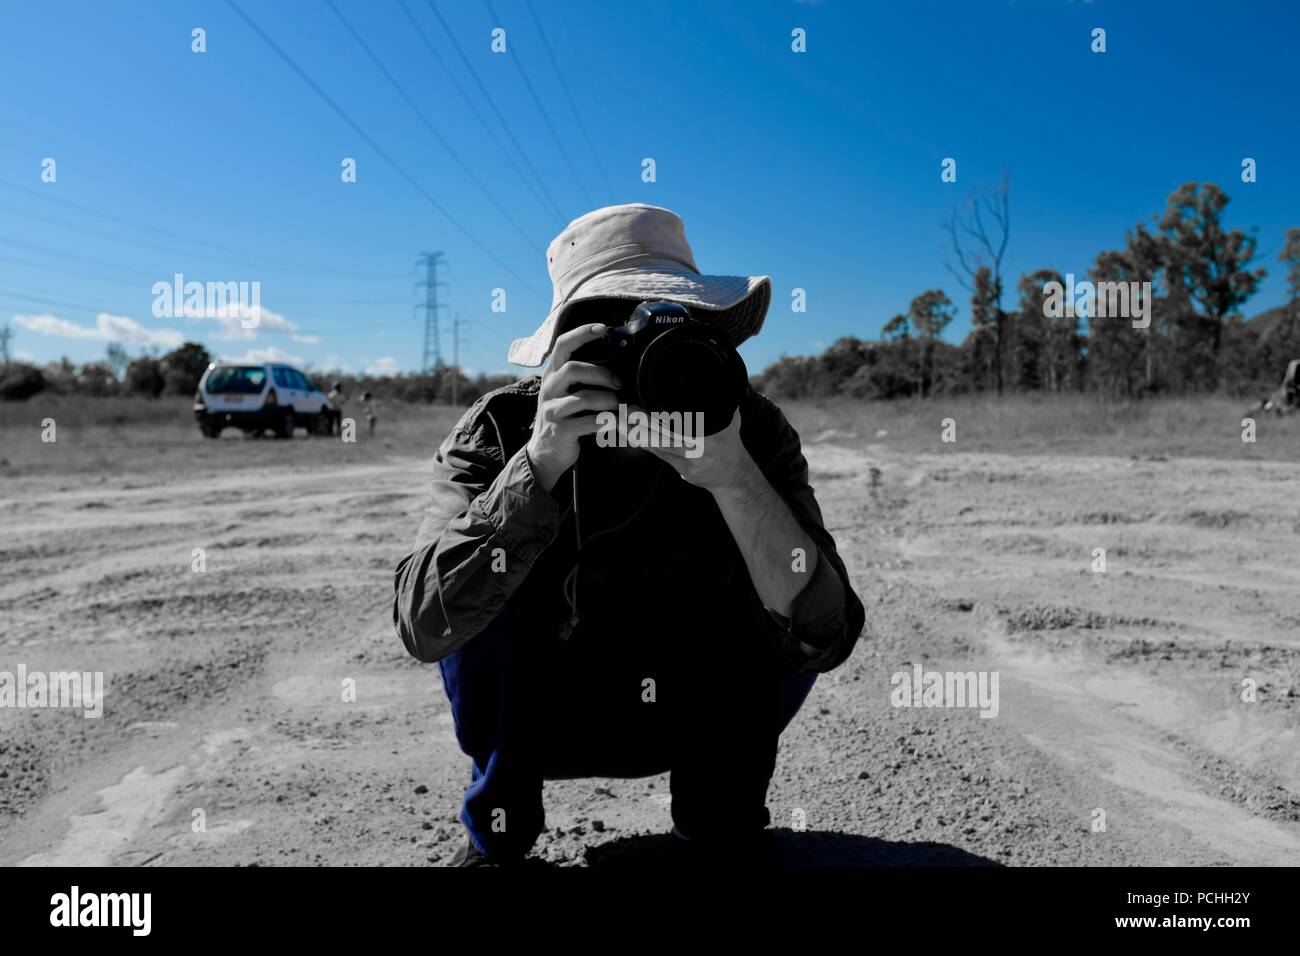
(944,551)
(1124,731)
(315,600)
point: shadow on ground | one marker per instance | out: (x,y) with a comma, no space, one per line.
(795,849)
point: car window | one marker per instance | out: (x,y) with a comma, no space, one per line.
(301,381)
(236,380)
(281,377)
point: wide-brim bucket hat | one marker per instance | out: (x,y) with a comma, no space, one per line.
(638,252)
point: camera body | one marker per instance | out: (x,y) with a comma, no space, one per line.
(669,361)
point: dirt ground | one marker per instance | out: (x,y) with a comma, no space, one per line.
(1120,691)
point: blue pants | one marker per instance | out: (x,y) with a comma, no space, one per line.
(706,706)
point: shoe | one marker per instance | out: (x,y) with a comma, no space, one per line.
(470,855)
(757,849)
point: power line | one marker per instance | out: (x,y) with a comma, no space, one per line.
(380,151)
(429,126)
(491,331)
(119,279)
(569,96)
(491,102)
(330,300)
(169,247)
(545,199)
(115,280)
(117,267)
(457,300)
(107,234)
(541,109)
(456,290)
(44,300)
(278,263)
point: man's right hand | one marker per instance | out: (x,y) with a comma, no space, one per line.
(565,410)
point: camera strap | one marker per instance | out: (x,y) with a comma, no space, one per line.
(571,579)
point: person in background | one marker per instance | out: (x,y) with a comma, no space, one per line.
(368,406)
(336,399)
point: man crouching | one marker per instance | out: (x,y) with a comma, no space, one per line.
(624,611)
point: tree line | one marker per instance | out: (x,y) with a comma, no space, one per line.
(178,372)
(1201,272)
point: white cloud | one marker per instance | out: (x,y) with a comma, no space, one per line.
(107,328)
(228,304)
(52,325)
(268,354)
(231,323)
(383,366)
(229,318)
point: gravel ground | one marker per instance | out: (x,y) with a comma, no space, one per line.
(226,738)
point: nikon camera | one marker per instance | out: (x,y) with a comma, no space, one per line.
(669,361)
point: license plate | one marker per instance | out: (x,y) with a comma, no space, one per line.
(234,399)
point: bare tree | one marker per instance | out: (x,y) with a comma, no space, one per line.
(978,232)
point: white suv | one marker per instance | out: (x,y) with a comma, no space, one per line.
(258,397)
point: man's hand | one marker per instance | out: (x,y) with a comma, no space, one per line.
(566,413)
(722,462)
(760,521)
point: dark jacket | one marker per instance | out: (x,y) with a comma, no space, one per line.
(493,540)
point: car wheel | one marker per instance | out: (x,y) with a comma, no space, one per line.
(211,431)
(284,428)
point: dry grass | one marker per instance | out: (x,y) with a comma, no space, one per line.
(127,435)
(1207,427)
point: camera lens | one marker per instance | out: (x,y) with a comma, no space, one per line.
(687,371)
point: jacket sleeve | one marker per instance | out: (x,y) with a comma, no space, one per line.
(826,617)
(487,521)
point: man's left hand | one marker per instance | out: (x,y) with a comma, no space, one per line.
(759,519)
(722,464)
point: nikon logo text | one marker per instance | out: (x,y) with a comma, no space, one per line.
(670,319)
(636,428)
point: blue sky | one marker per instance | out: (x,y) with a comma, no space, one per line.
(821,169)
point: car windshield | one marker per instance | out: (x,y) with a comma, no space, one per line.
(237,380)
